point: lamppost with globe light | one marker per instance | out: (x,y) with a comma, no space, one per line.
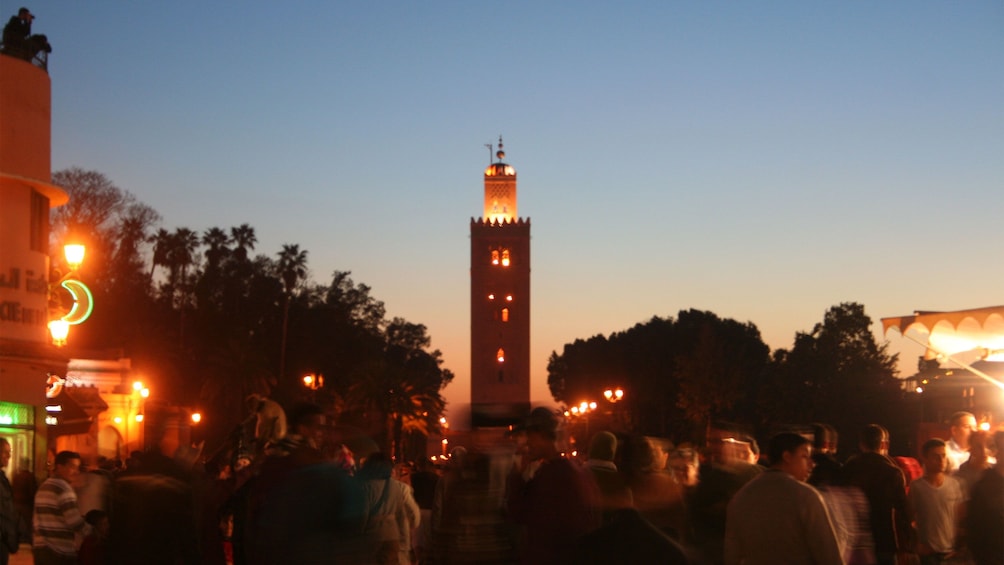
(313,382)
(83,301)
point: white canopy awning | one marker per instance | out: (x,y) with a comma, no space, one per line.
(979,330)
(956,331)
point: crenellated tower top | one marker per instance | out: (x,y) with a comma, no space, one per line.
(500,190)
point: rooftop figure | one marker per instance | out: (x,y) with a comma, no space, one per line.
(19,42)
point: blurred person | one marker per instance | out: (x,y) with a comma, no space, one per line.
(553,498)
(93,549)
(884,485)
(473,527)
(847,505)
(777,517)
(59,527)
(390,513)
(978,462)
(963,424)
(445,512)
(661,448)
(984,515)
(94,489)
(9,520)
(296,450)
(614,492)
(424,481)
(827,468)
(719,480)
(345,459)
(937,500)
(685,464)
(24,486)
(627,537)
(657,495)
(912,469)
(154,518)
(270,420)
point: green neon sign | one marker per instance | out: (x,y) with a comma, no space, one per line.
(83,302)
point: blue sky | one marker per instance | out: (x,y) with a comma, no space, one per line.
(762,160)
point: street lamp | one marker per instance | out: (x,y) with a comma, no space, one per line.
(74,253)
(313,382)
(83,300)
(613,395)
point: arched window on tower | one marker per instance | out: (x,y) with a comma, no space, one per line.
(500,355)
(505,314)
(505,258)
(495,258)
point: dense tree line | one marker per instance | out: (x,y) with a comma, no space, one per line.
(681,374)
(210,322)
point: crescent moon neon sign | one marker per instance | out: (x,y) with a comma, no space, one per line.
(83,301)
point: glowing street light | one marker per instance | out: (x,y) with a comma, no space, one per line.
(60,330)
(313,382)
(74,253)
(196,417)
(613,395)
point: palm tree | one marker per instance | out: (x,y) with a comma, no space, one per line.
(161,247)
(292,268)
(390,392)
(244,239)
(216,241)
(181,256)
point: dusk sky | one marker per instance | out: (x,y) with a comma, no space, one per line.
(761,160)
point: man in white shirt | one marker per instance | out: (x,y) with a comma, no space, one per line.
(936,498)
(957,447)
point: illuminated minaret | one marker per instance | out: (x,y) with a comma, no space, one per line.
(500,303)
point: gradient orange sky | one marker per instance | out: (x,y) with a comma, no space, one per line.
(763,161)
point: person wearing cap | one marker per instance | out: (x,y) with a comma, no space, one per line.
(558,504)
(614,491)
(18,40)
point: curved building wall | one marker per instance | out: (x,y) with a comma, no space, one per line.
(27,355)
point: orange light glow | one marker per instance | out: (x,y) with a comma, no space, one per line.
(196,417)
(74,253)
(60,330)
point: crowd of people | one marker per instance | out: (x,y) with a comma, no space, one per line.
(296,498)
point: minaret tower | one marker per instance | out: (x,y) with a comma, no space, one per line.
(500,303)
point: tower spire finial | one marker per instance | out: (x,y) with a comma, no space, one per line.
(500,154)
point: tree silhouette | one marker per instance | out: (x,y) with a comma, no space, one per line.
(292,268)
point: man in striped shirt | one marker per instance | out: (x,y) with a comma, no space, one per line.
(59,527)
